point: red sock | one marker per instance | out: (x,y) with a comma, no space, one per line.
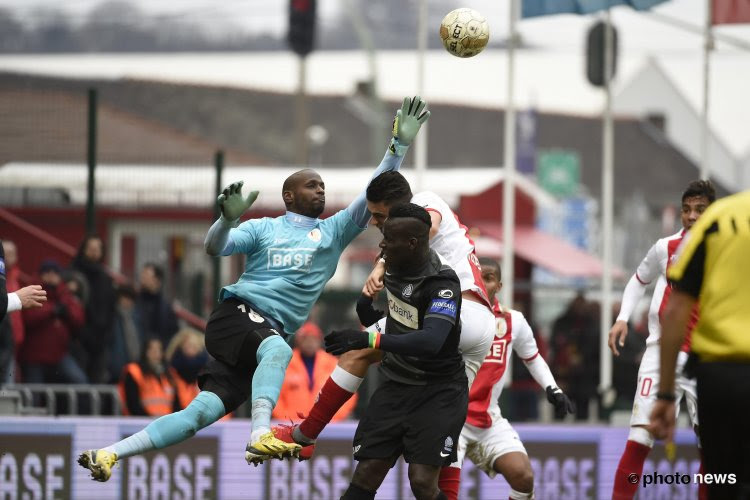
(449,480)
(702,487)
(331,398)
(631,462)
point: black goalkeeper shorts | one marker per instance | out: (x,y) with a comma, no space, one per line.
(233,334)
(420,422)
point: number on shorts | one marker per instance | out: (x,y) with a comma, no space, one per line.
(241,307)
(646,386)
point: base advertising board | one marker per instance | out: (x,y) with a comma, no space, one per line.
(38,461)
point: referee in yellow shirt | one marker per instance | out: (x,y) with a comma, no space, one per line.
(713,265)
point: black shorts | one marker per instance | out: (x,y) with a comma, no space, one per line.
(420,422)
(233,334)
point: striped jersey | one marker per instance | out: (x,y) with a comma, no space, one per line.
(654,267)
(453,243)
(513,331)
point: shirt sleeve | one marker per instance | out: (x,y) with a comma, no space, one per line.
(648,269)
(431,202)
(686,271)
(244,238)
(443,301)
(344,227)
(523,338)
(634,291)
(357,210)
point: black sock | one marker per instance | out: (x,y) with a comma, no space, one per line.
(355,492)
(441,496)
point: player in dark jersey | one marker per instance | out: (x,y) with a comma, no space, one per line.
(420,407)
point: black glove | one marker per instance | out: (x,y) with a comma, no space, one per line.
(562,404)
(340,341)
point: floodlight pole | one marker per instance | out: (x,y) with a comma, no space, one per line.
(708,43)
(509,164)
(605,318)
(420,154)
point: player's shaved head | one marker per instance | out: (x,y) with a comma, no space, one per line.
(303,193)
(406,237)
(297,178)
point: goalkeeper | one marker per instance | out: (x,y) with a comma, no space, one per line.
(289,260)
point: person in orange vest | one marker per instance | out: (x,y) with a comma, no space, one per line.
(186,355)
(305,376)
(147,388)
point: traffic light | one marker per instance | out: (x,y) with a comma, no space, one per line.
(595,53)
(301,26)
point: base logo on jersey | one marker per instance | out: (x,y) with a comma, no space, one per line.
(407,291)
(315,235)
(283,259)
(446,294)
(404,313)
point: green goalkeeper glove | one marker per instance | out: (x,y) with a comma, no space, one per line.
(406,124)
(231,202)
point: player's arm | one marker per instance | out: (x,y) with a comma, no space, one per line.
(219,239)
(425,342)
(526,348)
(439,318)
(406,125)
(647,271)
(366,313)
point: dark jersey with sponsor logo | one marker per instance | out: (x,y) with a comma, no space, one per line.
(434,291)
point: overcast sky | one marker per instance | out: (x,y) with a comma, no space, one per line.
(564,32)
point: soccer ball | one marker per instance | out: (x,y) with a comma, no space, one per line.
(464,32)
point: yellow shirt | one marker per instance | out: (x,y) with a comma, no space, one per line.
(713,264)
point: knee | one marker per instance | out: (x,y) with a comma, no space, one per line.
(276,349)
(423,489)
(357,362)
(367,476)
(521,480)
(423,485)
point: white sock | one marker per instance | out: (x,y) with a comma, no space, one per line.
(346,380)
(518,495)
(134,445)
(261,415)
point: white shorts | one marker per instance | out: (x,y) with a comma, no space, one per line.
(484,446)
(477,333)
(648,386)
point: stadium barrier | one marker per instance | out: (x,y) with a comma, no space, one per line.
(88,399)
(39,461)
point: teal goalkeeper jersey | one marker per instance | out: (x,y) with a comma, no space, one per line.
(291,258)
(289,261)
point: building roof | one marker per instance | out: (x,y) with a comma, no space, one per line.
(260,125)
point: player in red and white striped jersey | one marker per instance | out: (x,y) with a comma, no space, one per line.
(695,199)
(487,438)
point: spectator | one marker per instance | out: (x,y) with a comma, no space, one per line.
(154,310)
(308,370)
(625,366)
(186,356)
(127,337)
(146,387)
(45,353)
(575,345)
(96,336)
